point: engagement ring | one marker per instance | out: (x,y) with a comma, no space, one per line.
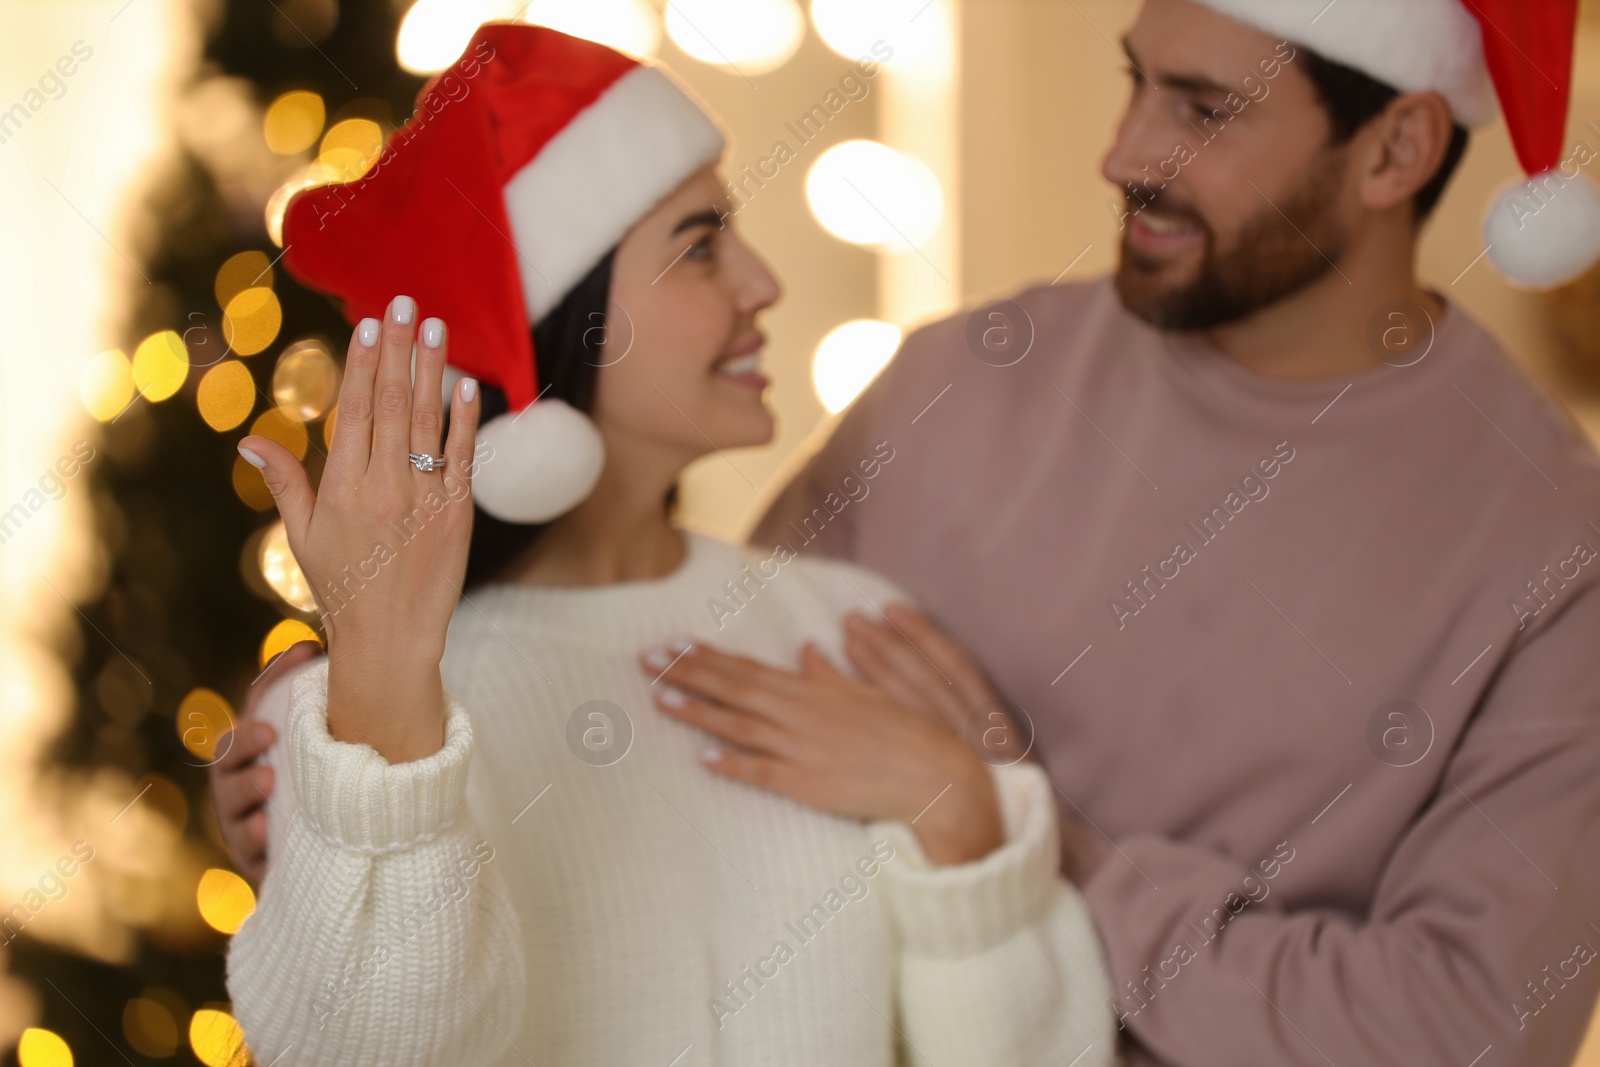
(426,463)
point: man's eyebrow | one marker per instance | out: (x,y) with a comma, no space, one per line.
(1194,83)
(699,218)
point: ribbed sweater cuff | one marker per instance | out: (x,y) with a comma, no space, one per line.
(353,796)
(964,909)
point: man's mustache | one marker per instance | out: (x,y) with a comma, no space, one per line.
(1165,203)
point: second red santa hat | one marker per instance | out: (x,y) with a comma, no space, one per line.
(526,161)
(1541,232)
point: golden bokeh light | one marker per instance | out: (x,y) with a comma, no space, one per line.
(227,395)
(286,634)
(305,380)
(43,1048)
(434,32)
(105,385)
(350,148)
(849,357)
(327,426)
(630,26)
(250,487)
(308,177)
(150,1028)
(160,365)
(920,29)
(293,121)
(251,320)
(274,425)
(203,719)
(217,1039)
(279,568)
(241,271)
(751,37)
(225,900)
(868,193)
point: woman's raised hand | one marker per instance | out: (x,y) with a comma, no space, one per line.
(383,545)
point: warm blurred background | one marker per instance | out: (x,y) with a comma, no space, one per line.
(149,146)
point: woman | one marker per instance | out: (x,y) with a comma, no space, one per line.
(627,874)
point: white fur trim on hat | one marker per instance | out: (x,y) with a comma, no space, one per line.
(1545,231)
(538,463)
(1412,45)
(602,173)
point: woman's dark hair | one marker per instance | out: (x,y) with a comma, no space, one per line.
(1352,99)
(567,353)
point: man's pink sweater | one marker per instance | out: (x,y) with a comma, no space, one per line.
(1315,664)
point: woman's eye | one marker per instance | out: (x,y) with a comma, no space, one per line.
(701,249)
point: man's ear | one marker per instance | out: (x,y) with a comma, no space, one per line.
(1404,147)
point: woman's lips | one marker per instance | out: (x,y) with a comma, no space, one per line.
(743,369)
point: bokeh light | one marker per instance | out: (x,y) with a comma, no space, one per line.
(105,384)
(203,718)
(274,425)
(161,794)
(282,572)
(43,1048)
(305,380)
(349,149)
(630,26)
(327,426)
(286,634)
(225,900)
(150,1028)
(307,177)
(217,1039)
(227,395)
(160,365)
(867,193)
(750,36)
(849,357)
(251,320)
(241,271)
(435,32)
(293,121)
(915,34)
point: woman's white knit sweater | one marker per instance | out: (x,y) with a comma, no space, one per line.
(564,883)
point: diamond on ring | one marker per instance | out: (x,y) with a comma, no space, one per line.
(426,463)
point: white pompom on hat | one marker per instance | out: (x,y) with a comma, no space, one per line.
(1539,232)
(526,161)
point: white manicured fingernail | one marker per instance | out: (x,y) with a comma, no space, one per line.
(251,458)
(432,332)
(672,697)
(712,755)
(367,332)
(682,645)
(402,309)
(658,659)
(469,389)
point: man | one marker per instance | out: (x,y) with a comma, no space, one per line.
(1293,574)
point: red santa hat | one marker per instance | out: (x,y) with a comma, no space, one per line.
(524,164)
(1541,232)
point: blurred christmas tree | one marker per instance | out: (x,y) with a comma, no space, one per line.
(201,589)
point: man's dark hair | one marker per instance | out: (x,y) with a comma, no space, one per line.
(1352,99)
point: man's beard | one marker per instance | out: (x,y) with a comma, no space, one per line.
(1275,255)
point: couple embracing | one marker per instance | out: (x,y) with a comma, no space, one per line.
(924,793)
